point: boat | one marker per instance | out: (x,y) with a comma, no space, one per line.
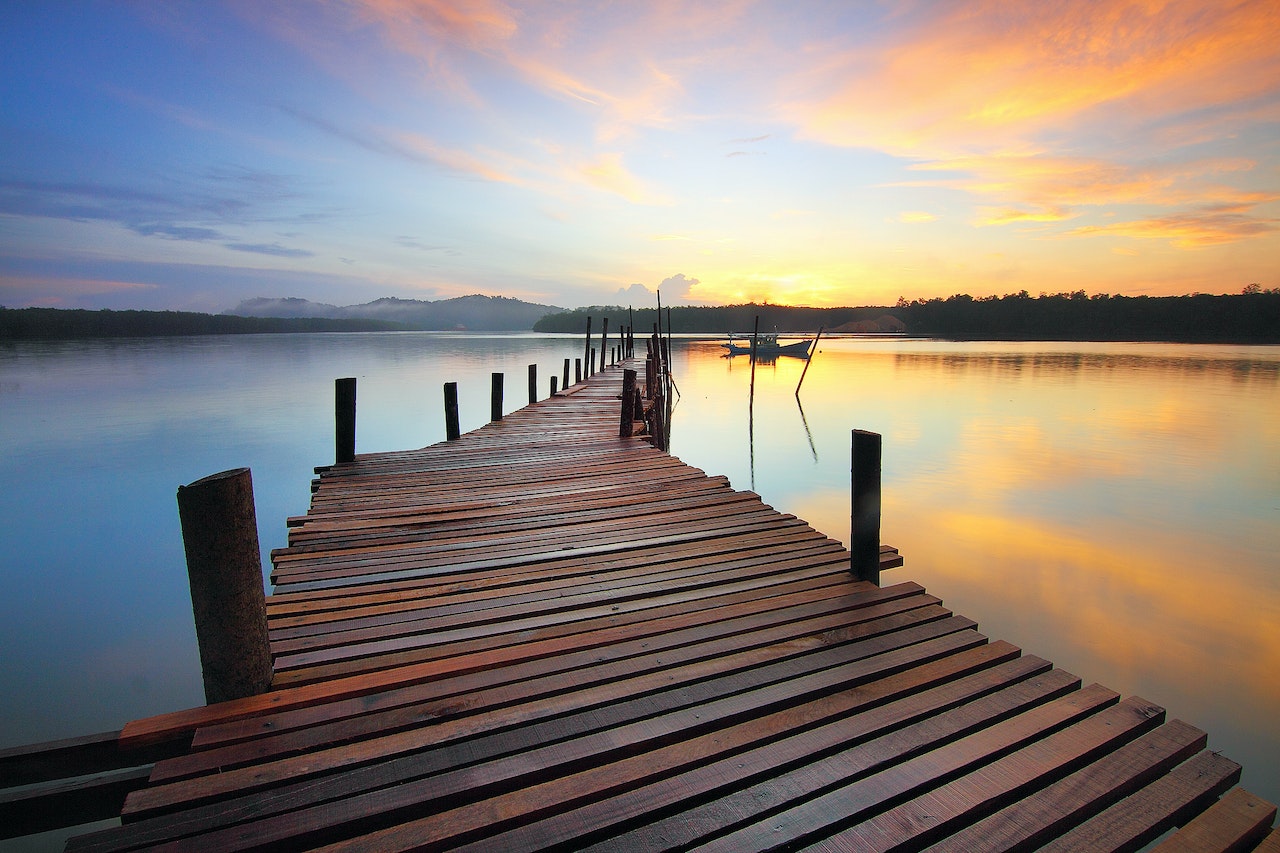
(767,346)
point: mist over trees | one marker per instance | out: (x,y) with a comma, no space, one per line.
(58,323)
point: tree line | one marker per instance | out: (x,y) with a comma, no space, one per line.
(1252,316)
(58,323)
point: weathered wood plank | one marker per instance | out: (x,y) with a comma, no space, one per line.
(1236,823)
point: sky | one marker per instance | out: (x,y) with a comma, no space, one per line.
(189,155)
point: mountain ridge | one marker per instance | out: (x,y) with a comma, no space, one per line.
(475,313)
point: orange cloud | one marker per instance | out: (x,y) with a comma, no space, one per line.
(608,173)
(1206,226)
(991,76)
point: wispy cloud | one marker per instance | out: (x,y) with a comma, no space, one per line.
(1206,226)
(274,249)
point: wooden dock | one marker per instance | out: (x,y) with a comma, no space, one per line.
(543,636)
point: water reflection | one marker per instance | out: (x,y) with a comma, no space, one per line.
(1113,507)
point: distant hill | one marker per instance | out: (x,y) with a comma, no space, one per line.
(470,313)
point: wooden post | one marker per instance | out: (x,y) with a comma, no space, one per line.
(344,419)
(577,371)
(451,428)
(553,385)
(809,360)
(658,423)
(591,369)
(604,341)
(224,566)
(628,420)
(533,384)
(586,350)
(864,532)
(564,383)
(495,397)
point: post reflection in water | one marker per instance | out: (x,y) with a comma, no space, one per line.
(1114,508)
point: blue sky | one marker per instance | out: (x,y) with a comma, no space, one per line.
(191,155)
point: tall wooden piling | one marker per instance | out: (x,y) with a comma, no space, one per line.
(452,429)
(864,534)
(344,420)
(224,567)
(533,384)
(495,397)
(627,422)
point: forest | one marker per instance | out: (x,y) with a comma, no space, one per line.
(1249,317)
(59,323)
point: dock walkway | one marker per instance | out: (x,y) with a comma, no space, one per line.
(545,636)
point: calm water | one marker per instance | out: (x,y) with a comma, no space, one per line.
(1114,508)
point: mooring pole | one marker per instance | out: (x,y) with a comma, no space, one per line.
(809,360)
(864,534)
(564,383)
(626,426)
(452,429)
(604,341)
(344,420)
(577,371)
(224,567)
(533,384)
(495,397)
(586,350)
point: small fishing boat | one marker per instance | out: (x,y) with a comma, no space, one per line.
(767,346)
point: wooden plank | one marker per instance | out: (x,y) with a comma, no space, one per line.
(69,802)
(700,795)
(386,796)
(1053,810)
(1236,823)
(1141,818)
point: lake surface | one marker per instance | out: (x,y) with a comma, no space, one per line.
(1114,508)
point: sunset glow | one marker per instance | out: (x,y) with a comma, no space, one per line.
(189,156)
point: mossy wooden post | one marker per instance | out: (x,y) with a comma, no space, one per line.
(224,566)
(533,384)
(344,419)
(495,397)
(452,429)
(864,534)
(626,425)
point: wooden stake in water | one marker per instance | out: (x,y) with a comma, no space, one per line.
(495,397)
(452,429)
(224,566)
(344,420)
(809,360)
(533,384)
(864,534)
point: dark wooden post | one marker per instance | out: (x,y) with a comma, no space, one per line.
(495,397)
(658,421)
(864,533)
(591,369)
(564,383)
(586,350)
(452,430)
(627,423)
(604,341)
(344,419)
(224,566)
(553,385)
(533,384)
(577,371)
